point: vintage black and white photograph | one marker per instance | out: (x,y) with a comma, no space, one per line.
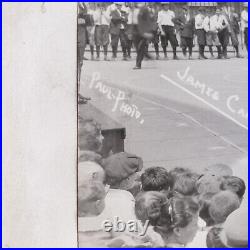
(162,124)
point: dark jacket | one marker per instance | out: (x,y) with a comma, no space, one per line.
(145,21)
(117,20)
(187,28)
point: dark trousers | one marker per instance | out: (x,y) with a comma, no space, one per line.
(223,36)
(122,36)
(246,37)
(170,36)
(140,45)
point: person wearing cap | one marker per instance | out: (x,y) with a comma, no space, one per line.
(210,26)
(143,33)
(121,171)
(187,28)
(223,31)
(200,32)
(166,24)
(244,23)
(102,21)
(119,18)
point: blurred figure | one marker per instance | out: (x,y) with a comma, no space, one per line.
(143,33)
(81,37)
(90,26)
(132,25)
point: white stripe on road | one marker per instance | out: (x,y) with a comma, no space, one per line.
(204,101)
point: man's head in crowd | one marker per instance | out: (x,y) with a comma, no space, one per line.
(148,206)
(223,204)
(91,197)
(156,179)
(165,6)
(89,135)
(185,184)
(235,185)
(118,5)
(178,221)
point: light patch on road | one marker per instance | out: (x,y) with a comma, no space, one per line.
(182,124)
(216,148)
(203,101)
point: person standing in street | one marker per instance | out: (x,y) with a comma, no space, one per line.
(223,31)
(143,33)
(102,21)
(132,24)
(210,26)
(187,28)
(119,18)
(166,26)
(200,32)
(244,23)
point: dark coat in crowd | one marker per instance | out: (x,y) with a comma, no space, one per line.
(117,19)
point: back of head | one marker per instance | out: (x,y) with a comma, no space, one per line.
(88,171)
(148,206)
(178,213)
(223,204)
(213,238)
(89,194)
(185,184)
(155,179)
(234,184)
(207,186)
(219,170)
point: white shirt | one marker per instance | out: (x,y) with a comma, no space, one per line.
(101,17)
(210,23)
(166,17)
(133,16)
(244,19)
(199,19)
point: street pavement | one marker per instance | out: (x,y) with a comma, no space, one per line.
(192,123)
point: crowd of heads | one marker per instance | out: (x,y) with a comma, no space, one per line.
(173,201)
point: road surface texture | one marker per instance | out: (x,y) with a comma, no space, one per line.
(189,113)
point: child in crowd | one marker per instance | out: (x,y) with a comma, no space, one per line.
(156,179)
(223,204)
(175,219)
(234,184)
(122,171)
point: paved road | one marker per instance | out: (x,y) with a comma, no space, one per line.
(185,123)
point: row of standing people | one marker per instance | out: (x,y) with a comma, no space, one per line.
(121,23)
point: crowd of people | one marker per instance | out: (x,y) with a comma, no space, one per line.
(177,206)
(137,24)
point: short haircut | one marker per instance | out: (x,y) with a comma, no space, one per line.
(234,184)
(223,204)
(185,184)
(155,179)
(89,192)
(148,206)
(213,238)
